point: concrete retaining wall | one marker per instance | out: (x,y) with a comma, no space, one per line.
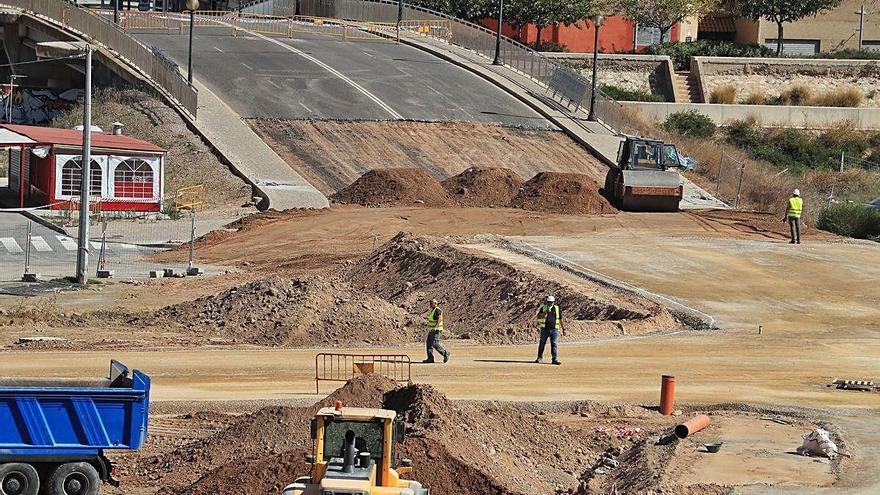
(649,73)
(766,115)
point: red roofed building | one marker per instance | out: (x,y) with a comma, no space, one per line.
(45,168)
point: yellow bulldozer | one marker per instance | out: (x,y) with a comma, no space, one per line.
(353,454)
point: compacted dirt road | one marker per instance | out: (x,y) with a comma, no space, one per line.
(816,304)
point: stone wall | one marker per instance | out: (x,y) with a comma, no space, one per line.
(646,73)
(770,77)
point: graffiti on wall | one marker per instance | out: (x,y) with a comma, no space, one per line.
(34,106)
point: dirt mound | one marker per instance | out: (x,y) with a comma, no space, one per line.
(278,311)
(395,187)
(484,187)
(259,476)
(259,437)
(556,192)
(488,300)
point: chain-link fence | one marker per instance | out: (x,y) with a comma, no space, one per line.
(730,180)
(125,248)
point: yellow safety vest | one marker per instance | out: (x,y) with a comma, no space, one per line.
(434,322)
(795,207)
(542,315)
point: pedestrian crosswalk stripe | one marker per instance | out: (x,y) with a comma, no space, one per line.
(66,242)
(40,244)
(11,245)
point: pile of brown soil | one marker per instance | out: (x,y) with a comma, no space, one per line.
(556,192)
(456,448)
(491,301)
(278,311)
(484,187)
(395,187)
(271,438)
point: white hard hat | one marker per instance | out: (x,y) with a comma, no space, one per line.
(797,192)
(551,299)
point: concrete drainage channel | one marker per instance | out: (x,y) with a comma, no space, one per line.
(692,317)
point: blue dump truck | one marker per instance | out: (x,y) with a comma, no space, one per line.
(53,433)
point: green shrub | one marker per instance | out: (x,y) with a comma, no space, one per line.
(745,134)
(851,54)
(621,94)
(690,123)
(725,94)
(549,46)
(681,53)
(851,220)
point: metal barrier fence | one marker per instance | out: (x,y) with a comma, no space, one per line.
(128,247)
(99,29)
(333,367)
(731,179)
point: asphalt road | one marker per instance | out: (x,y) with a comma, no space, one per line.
(323,77)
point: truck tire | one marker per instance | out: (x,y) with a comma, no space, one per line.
(18,478)
(74,478)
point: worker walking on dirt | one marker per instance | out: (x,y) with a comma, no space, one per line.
(435,329)
(550,323)
(793,211)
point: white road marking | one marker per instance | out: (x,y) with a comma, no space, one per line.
(11,245)
(40,244)
(326,67)
(246,66)
(219,50)
(307,108)
(127,246)
(369,54)
(96,245)
(273,83)
(67,243)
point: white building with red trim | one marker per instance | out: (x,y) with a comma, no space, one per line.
(45,168)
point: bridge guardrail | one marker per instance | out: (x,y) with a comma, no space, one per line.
(114,38)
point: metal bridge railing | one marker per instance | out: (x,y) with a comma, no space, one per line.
(101,30)
(335,367)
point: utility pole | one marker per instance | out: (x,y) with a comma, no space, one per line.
(12,78)
(399,17)
(861,13)
(497,60)
(82,259)
(598,20)
(192,5)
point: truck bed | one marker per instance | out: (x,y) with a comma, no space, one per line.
(55,418)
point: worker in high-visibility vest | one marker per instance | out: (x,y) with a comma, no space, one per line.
(550,324)
(793,211)
(435,330)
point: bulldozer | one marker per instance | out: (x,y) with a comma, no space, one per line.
(646,176)
(353,450)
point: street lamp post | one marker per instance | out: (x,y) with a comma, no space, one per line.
(192,5)
(497,60)
(399,17)
(82,259)
(598,20)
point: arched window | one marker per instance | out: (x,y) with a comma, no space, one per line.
(71,178)
(133,178)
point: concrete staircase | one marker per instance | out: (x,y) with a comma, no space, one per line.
(687,87)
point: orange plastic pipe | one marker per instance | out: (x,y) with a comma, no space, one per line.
(692,426)
(667,395)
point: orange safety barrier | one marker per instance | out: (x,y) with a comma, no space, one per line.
(335,367)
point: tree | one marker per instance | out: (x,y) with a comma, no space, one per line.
(544,13)
(782,11)
(663,14)
(470,10)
